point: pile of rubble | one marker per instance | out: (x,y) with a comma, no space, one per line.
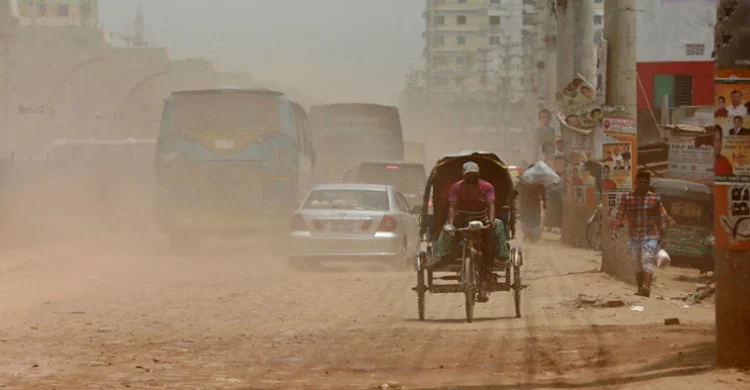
(704,292)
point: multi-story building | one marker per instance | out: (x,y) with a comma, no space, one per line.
(56,13)
(474,50)
(598,21)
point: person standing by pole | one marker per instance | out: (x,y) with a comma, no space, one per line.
(533,198)
(647,224)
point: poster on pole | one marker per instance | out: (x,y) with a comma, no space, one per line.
(732,160)
(732,126)
(618,126)
(619,153)
(688,161)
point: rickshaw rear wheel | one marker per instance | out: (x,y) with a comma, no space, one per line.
(517,286)
(421,293)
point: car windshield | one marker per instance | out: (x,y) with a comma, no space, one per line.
(347,200)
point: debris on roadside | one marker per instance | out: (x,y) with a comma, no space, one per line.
(672,321)
(392,386)
(701,294)
(637,308)
(588,301)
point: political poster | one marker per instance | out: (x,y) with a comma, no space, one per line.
(732,126)
(689,161)
(617,166)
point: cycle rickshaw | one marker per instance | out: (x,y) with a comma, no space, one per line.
(506,273)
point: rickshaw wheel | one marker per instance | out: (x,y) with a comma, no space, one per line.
(517,286)
(469,283)
(421,292)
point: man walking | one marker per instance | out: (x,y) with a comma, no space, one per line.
(647,223)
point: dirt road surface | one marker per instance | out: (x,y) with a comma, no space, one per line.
(125,312)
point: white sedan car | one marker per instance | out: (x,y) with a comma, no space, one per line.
(354,222)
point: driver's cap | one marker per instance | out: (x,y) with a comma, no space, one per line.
(470,167)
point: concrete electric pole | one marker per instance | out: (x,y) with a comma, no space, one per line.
(732,261)
(621,35)
(575,55)
(7,29)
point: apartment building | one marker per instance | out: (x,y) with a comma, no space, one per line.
(474,50)
(56,13)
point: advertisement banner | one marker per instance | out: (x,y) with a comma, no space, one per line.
(620,126)
(690,162)
(732,163)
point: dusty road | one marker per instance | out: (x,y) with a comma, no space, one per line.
(123,312)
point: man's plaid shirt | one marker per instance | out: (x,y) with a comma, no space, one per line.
(645,214)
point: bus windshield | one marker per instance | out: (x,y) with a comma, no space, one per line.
(226,114)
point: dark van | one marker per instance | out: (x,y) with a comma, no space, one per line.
(408,178)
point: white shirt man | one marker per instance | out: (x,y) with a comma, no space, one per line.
(737,108)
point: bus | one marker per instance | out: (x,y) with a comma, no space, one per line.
(229,161)
(350,133)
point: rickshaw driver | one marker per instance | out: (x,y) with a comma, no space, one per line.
(473,199)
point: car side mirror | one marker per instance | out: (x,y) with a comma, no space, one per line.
(417,209)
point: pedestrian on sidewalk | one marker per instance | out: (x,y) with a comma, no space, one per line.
(647,223)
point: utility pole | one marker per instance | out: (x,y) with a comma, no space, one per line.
(732,259)
(6,35)
(621,35)
(575,45)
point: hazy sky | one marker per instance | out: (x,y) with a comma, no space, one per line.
(346,50)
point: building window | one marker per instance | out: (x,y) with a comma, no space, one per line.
(461,40)
(440,60)
(63,10)
(494,20)
(494,40)
(461,19)
(461,1)
(494,2)
(695,49)
(683,90)
(440,20)
(598,1)
(439,2)
(598,20)
(42,9)
(439,40)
